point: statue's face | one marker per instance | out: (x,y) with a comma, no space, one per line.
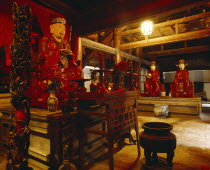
(181,66)
(58,30)
(64,61)
(152,68)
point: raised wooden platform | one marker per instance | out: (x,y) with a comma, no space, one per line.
(176,105)
(40,138)
(51,132)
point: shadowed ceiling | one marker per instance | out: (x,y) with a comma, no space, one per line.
(181,30)
(89,16)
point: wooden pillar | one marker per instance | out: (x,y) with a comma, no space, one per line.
(76,48)
(116,42)
(139,53)
(19,136)
(177,28)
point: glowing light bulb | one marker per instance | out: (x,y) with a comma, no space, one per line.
(147,27)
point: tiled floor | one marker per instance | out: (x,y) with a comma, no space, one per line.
(192,152)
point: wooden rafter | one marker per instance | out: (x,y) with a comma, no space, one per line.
(177,51)
(173,22)
(107,38)
(101,47)
(167,39)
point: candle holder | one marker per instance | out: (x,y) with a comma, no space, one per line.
(130,77)
(93,85)
(100,88)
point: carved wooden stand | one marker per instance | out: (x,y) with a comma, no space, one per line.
(19,136)
(61,128)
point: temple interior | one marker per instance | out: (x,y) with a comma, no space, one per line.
(121,84)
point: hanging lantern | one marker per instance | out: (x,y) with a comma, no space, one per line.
(147,27)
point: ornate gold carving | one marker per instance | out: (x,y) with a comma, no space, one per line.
(59,20)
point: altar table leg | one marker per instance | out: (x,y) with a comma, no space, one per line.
(147,155)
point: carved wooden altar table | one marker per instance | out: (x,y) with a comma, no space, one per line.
(116,111)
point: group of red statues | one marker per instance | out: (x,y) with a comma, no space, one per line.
(55,64)
(180,87)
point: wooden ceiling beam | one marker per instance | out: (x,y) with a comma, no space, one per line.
(176,51)
(102,47)
(167,39)
(172,22)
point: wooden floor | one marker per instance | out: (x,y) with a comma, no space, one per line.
(192,152)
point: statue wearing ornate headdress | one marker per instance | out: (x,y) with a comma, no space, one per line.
(182,86)
(152,85)
(55,65)
(52,47)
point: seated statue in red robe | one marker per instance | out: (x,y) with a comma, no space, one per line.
(55,63)
(182,86)
(51,48)
(152,85)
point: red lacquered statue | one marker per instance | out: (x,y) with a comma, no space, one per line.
(182,86)
(152,85)
(55,63)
